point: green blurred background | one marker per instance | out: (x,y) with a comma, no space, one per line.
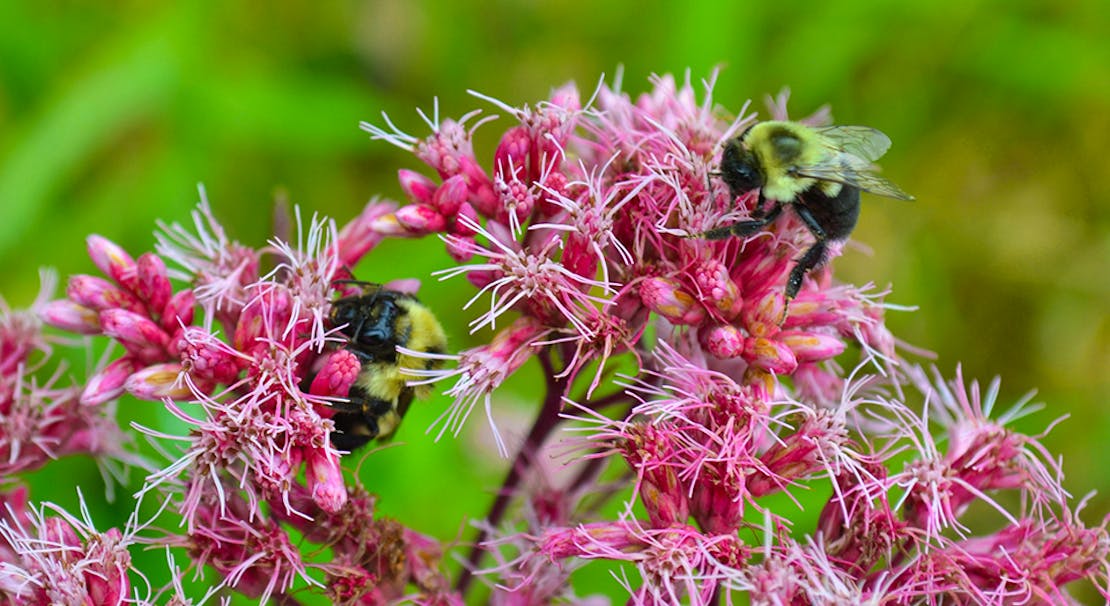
(999,111)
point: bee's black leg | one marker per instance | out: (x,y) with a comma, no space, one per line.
(403,402)
(349,407)
(745,228)
(356,422)
(760,203)
(813,257)
(361,355)
(811,222)
(354,436)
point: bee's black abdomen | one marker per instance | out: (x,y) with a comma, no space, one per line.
(829,219)
(358,422)
(836,215)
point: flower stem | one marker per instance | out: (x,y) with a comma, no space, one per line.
(544,424)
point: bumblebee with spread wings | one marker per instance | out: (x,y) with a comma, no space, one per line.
(818,172)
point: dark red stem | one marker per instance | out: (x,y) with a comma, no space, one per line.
(546,421)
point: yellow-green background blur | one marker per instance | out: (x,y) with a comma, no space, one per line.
(999,113)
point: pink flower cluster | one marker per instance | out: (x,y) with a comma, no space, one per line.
(258,463)
(48,556)
(687,407)
(584,234)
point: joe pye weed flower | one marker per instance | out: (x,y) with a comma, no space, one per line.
(688,409)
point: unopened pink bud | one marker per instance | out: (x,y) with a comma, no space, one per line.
(478,183)
(665,501)
(769,355)
(451,196)
(420,219)
(461,248)
(206,357)
(463,228)
(579,257)
(67,315)
(112,260)
(153,284)
(666,298)
(811,347)
(56,532)
(554,185)
(272,309)
(423,555)
(512,152)
(108,383)
(158,382)
(179,310)
(100,294)
(811,308)
(517,201)
(388,225)
(726,298)
(358,237)
(416,186)
(138,334)
(717,288)
(106,580)
(715,506)
(325,479)
(762,316)
(722,341)
(566,97)
(581,540)
(337,375)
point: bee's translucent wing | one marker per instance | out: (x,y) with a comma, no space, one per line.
(849,170)
(850,152)
(863,142)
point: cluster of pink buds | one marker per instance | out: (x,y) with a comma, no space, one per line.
(42,416)
(135,305)
(696,432)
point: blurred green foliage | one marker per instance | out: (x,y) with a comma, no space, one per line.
(999,111)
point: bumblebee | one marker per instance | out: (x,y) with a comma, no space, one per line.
(818,172)
(377,322)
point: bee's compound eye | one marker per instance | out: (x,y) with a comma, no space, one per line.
(738,169)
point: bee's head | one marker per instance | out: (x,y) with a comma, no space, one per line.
(347,311)
(369,322)
(740,168)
